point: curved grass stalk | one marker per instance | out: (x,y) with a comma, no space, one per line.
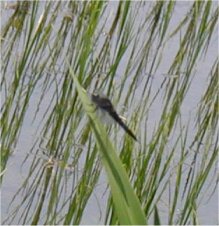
(126,203)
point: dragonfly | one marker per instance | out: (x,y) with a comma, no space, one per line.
(105,105)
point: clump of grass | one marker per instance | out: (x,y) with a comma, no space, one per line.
(69,149)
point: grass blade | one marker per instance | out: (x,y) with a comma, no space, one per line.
(126,202)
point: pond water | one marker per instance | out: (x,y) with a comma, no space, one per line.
(19,163)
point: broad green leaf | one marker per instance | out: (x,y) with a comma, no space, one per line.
(127,205)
